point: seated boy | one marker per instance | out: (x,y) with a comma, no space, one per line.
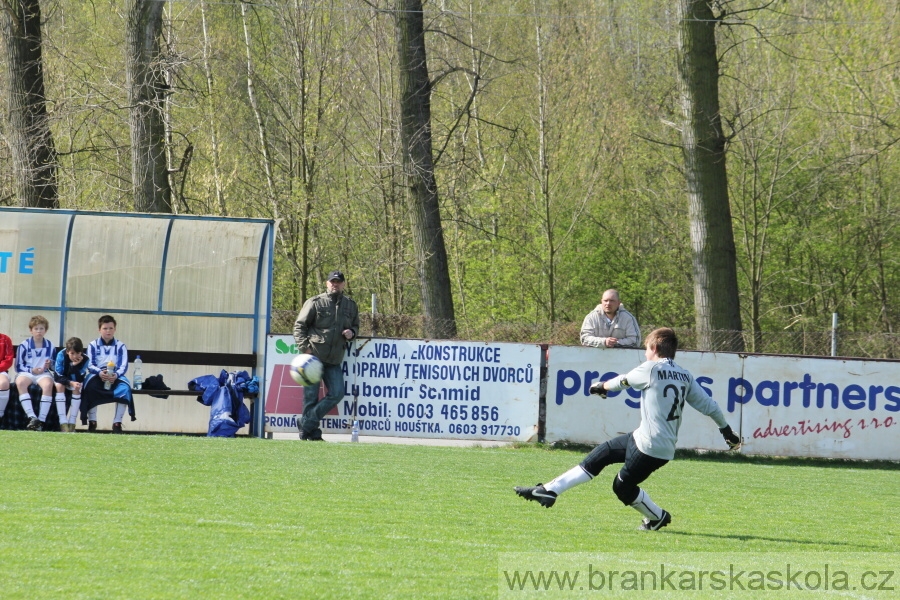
(33,367)
(6,361)
(106,382)
(70,371)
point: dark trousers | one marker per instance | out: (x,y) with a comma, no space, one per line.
(638,466)
(94,394)
(313,408)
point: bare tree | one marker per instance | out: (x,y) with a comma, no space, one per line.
(266,154)
(30,140)
(211,118)
(371,158)
(557,206)
(716,298)
(418,161)
(145,80)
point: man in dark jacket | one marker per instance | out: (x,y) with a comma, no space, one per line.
(324,326)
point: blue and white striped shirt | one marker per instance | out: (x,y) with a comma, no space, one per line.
(99,354)
(29,357)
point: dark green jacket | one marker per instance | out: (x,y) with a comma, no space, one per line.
(320,323)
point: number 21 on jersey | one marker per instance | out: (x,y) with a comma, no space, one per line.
(677,401)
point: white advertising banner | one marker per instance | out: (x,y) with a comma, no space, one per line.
(819,407)
(783,406)
(418,388)
(576,416)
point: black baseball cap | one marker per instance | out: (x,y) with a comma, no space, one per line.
(335,275)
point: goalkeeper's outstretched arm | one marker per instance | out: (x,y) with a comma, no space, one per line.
(731,438)
(598,389)
(610,385)
(703,402)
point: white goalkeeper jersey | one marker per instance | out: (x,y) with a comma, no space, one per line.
(665,387)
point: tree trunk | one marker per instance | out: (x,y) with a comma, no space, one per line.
(146,98)
(260,121)
(30,140)
(415,132)
(542,169)
(717,305)
(212,117)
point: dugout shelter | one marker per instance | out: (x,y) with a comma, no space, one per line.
(180,286)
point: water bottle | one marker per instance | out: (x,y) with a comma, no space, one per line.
(354,434)
(110,367)
(138,376)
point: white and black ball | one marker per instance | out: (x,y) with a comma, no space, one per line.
(306,369)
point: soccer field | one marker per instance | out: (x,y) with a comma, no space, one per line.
(102,516)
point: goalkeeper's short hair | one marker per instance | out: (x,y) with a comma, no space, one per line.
(664,341)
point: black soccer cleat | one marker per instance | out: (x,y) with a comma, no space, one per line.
(312,436)
(117,428)
(34,424)
(539,494)
(649,525)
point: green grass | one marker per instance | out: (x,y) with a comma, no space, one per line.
(102,516)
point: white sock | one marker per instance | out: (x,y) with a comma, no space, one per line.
(92,414)
(73,410)
(574,476)
(61,406)
(46,401)
(4,400)
(647,507)
(120,412)
(25,401)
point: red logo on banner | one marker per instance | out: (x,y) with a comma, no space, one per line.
(285,396)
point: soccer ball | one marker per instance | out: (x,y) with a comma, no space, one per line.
(306,369)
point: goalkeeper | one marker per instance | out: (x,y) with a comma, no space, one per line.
(665,387)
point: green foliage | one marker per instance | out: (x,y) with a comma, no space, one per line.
(807,169)
(557,164)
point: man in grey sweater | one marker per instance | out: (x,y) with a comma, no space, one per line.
(609,325)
